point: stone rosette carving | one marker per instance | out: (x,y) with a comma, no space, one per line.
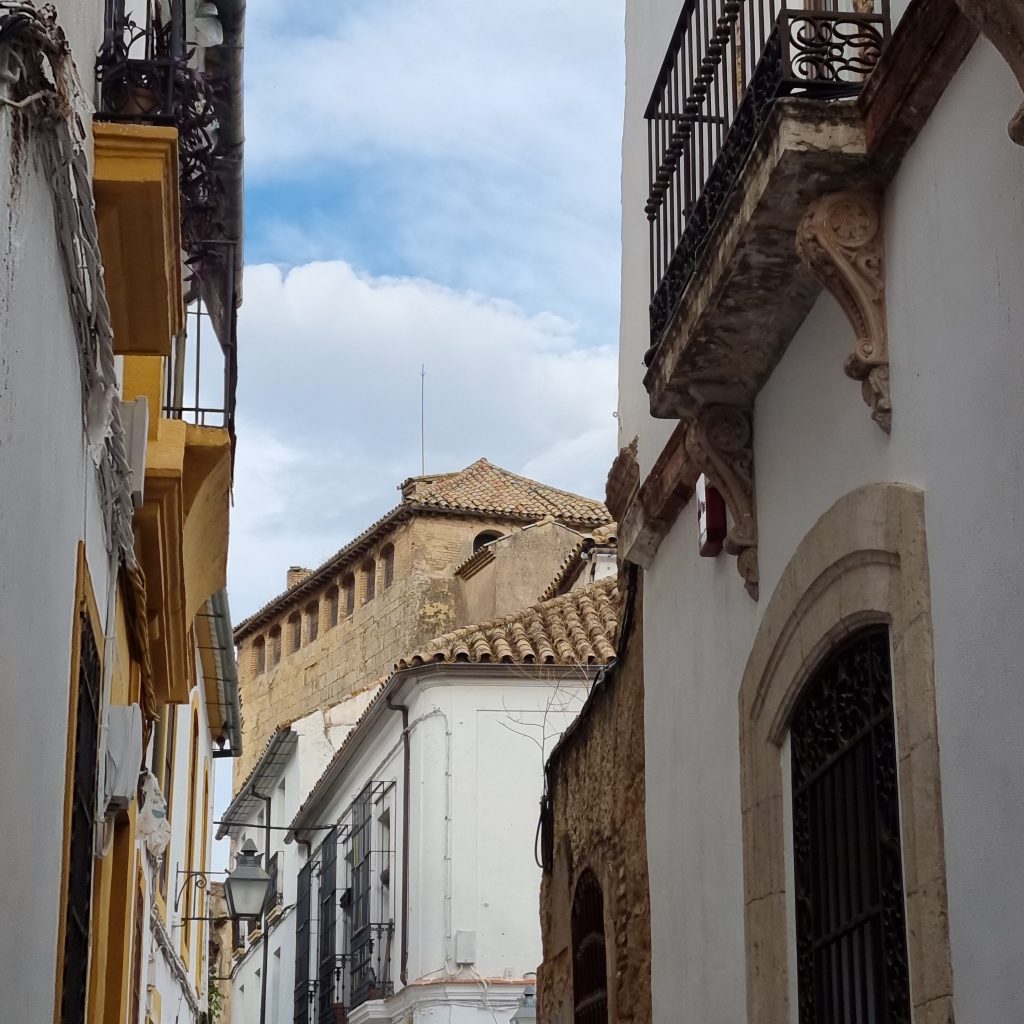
(719,443)
(1002,23)
(840,241)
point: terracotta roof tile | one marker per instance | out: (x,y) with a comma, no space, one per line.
(576,628)
(486,488)
(479,489)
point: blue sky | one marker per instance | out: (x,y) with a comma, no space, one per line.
(427,182)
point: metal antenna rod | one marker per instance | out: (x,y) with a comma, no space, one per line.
(423,448)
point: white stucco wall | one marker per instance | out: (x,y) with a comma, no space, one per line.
(476,780)
(955,263)
(48,503)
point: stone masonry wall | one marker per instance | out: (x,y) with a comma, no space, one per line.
(364,646)
(598,792)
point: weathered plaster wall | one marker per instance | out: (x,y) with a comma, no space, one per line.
(525,561)
(598,799)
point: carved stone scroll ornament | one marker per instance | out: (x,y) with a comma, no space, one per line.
(840,242)
(1002,22)
(719,445)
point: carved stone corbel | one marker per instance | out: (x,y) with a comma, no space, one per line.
(1002,22)
(719,443)
(840,241)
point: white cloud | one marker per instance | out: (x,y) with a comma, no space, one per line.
(329,406)
(475,142)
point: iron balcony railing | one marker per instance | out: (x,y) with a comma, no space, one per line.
(149,72)
(727,63)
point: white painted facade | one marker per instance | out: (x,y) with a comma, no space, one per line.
(955,304)
(49,505)
(478,736)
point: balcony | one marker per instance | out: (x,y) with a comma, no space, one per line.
(749,121)
(156,83)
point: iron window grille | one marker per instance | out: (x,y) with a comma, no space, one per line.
(300,1011)
(727,63)
(328,925)
(78,914)
(848,872)
(589,964)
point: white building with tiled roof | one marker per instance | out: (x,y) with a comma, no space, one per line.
(407,872)
(400,582)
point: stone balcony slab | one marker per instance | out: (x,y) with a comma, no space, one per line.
(750,292)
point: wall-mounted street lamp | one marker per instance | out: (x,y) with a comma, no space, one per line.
(246,887)
(526,1012)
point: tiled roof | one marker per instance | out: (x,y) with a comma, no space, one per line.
(576,628)
(479,489)
(486,488)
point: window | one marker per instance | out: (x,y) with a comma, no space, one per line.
(190,838)
(294,632)
(164,754)
(362,931)
(589,964)
(349,586)
(80,856)
(300,1005)
(332,607)
(387,556)
(312,621)
(848,872)
(275,646)
(328,924)
(487,537)
(138,940)
(259,652)
(369,581)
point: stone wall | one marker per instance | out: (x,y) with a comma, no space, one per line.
(421,603)
(597,790)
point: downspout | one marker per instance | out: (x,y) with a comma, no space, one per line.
(266,928)
(404,974)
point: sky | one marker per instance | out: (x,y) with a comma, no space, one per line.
(435,184)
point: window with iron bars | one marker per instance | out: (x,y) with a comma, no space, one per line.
(848,873)
(78,915)
(300,1013)
(327,926)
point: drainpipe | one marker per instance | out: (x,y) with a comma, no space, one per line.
(266,927)
(405,837)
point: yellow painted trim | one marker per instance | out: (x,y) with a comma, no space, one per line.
(85,601)
(135,181)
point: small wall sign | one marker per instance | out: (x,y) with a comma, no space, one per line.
(711,523)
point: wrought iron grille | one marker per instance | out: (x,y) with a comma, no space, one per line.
(850,917)
(300,1013)
(727,63)
(589,964)
(147,72)
(359,854)
(83,799)
(328,926)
